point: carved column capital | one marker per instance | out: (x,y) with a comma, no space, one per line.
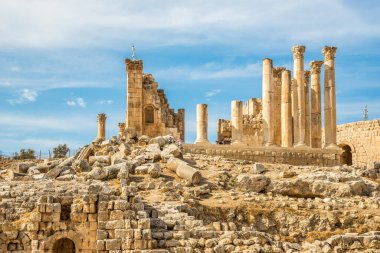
(329,52)
(298,51)
(315,67)
(306,74)
(102,117)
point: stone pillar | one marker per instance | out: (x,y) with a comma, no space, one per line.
(294,99)
(236,122)
(298,56)
(268,103)
(277,104)
(134,114)
(181,124)
(102,126)
(286,110)
(202,124)
(307,107)
(316,104)
(121,130)
(330,97)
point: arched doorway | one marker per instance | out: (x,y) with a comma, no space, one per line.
(347,154)
(64,245)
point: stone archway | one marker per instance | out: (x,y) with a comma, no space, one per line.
(346,156)
(64,245)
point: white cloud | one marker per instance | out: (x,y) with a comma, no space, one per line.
(211,71)
(24,96)
(212,93)
(76,102)
(105,102)
(55,23)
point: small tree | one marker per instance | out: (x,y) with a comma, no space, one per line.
(27,154)
(60,151)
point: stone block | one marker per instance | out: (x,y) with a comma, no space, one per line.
(144,223)
(115,224)
(113,244)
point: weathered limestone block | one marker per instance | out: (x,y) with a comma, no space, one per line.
(172,149)
(53,173)
(100,159)
(255,183)
(154,170)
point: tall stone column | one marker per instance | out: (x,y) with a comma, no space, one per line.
(236,122)
(295,123)
(121,130)
(202,124)
(298,57)
(268,103)
(286,110)
(330,97)
(277,104)
(307,107)
(316,104)
(181,124)
(102,126)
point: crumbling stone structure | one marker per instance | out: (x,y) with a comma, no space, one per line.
(148,112)
(291,109)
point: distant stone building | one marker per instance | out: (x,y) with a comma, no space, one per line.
(148,111)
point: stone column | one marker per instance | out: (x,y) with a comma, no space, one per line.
(277,104)
(298,54)
(181,124)
(121,130)
(316,105)
(202,124)
(307,107)
(330,97)
(102,126)
(286,110)
(294,99)
(236,122)
(268,103)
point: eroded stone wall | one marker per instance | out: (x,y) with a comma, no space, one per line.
(363,140)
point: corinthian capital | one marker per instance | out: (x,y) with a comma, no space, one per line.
(306,75)
(315,67)
(298,51)
(329,52)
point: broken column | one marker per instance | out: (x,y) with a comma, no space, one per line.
(316,106)
(294,99)
(181,124)
(307,107)
(286,110)
(202,124)
(102,126)
(236,122)
(121,130)
(277,104)
(268,110)
(330,97)
(298,56)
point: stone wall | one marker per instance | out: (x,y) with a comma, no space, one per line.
(299,156)
(363,140)
(148,110)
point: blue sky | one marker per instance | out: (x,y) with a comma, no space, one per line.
(62,62)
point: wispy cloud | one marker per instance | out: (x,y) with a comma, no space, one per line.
(105,102)
(24,96)
(212,93)
(211,71)
(76,102)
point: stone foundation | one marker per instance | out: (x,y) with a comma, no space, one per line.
(299,156)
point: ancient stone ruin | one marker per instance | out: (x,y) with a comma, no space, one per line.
(143,192)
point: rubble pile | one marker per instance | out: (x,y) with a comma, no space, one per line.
(145,195)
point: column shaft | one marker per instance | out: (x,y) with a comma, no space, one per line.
(295,123)
(286,110)
(298,56)
(316,104)
(102,126)
(236,122)
(202,124)
(329,99)
(121,129)
(277,104)
(268,110)
(307,107)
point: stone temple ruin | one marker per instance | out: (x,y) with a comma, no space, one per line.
(140,192)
